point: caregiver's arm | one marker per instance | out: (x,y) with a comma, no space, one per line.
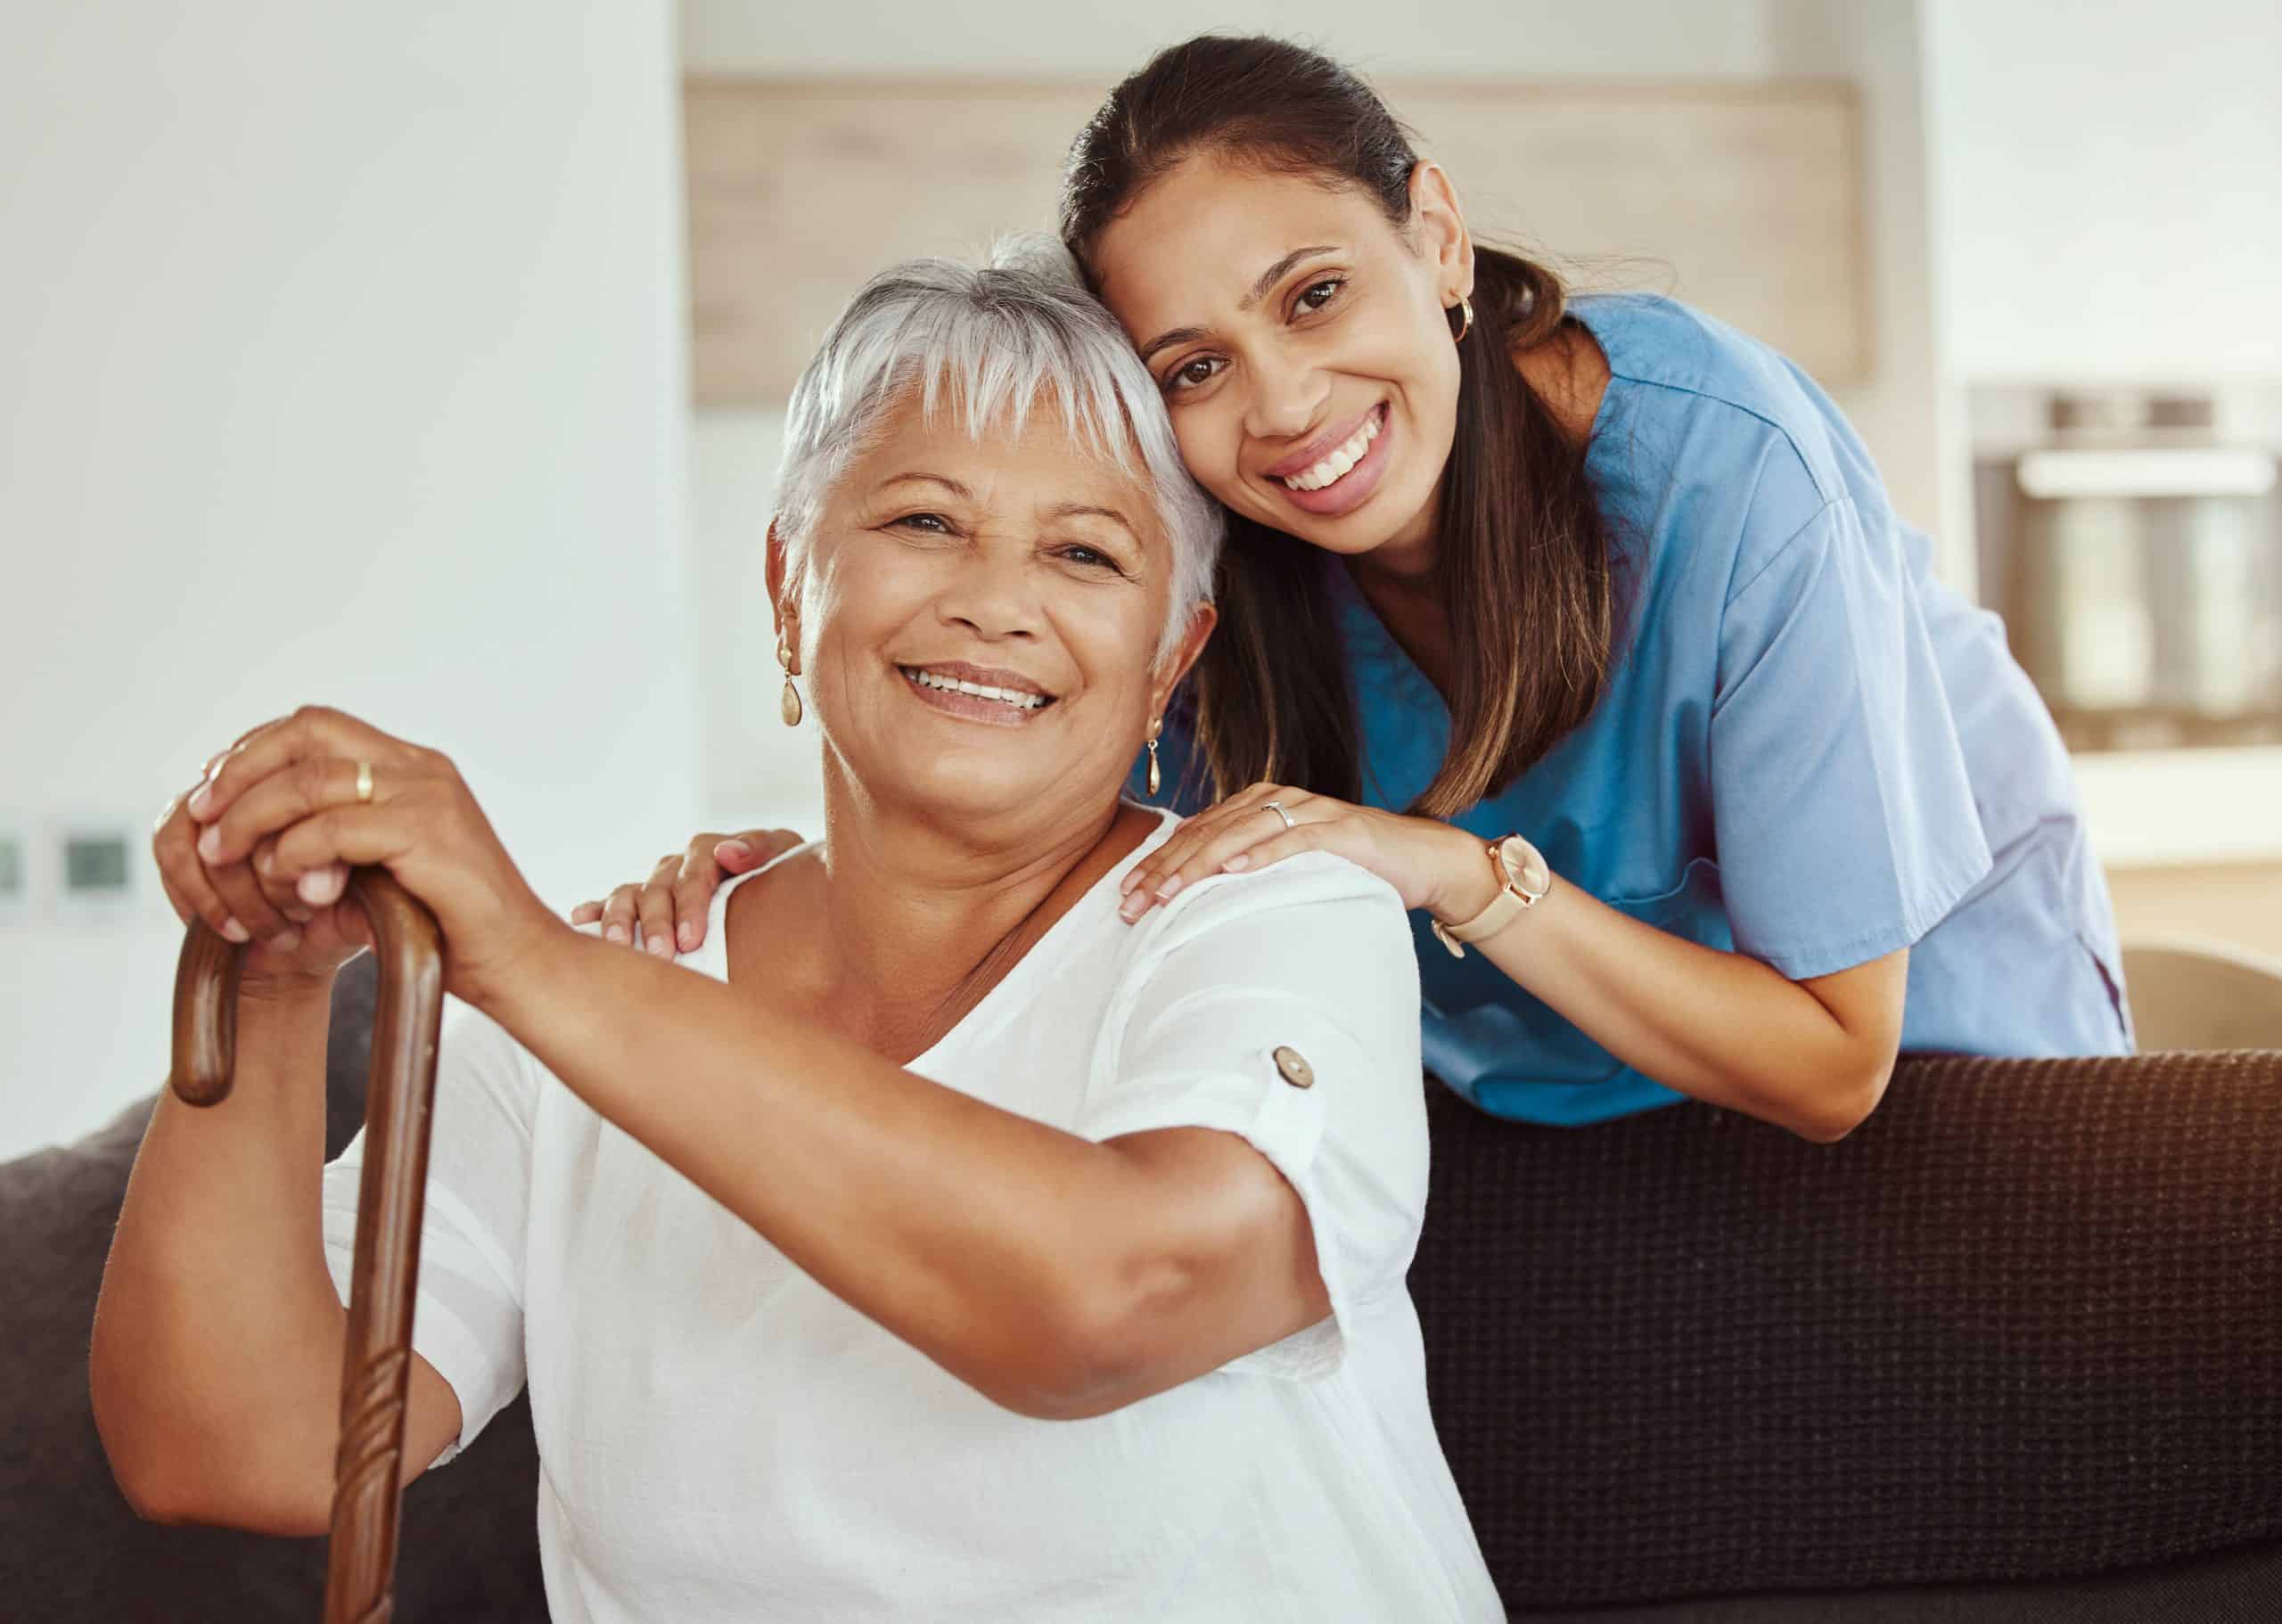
(1058,1276)
(1812,1056)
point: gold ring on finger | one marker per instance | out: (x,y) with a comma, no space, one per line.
(364,780)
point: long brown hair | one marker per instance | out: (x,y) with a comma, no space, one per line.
(1525,569)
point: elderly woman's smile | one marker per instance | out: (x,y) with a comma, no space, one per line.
(1005,699)
(980,608)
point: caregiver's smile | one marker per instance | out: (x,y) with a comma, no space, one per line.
(1299,340)
(1338,472)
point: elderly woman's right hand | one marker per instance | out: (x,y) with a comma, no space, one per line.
(678,900)
(293,938)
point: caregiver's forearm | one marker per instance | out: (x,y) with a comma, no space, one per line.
(991,1243)
(1722,1027)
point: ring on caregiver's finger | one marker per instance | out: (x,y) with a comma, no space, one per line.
(364,780)
(1276,806)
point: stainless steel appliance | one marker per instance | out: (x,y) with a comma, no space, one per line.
(2132,540)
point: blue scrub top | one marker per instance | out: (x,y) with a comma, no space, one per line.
(1810,750)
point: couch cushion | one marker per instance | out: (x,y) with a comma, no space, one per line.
(467,1541)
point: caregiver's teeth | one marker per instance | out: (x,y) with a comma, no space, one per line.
(1336,465)
(952,685)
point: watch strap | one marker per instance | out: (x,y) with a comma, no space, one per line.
(1505,908)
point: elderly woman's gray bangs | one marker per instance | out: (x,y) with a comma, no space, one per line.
(996,339)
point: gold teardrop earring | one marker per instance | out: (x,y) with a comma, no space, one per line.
(1155,728)
(1465,309)
(789,705)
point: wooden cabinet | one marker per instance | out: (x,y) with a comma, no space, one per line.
(1743,199)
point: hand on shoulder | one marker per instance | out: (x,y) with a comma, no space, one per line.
(1429,863)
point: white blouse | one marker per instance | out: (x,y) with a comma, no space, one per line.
(721,1438)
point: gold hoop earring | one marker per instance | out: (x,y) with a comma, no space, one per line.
(788,705)
(1465,309)
(1155,780)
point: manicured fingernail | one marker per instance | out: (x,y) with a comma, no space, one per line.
(739,846)
(235,932)
(687,935)
(1133,906)
(616,933)
(200,799)
(1237,864)
(315,888)
(209,844)
(1172,884)
(285,942)
(659,945)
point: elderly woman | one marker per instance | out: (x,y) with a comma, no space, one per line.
(941,1247)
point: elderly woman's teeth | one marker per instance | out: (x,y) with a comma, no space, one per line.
(1336,465)
(951,685)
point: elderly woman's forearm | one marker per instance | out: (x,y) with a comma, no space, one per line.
(214,1366)
(995,1244)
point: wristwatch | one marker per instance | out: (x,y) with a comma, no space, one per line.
(1523,879)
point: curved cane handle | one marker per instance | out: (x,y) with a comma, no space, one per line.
(377,1362)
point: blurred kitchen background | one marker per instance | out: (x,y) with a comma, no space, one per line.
(427,360)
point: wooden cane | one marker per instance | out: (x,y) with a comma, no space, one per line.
(360,1573)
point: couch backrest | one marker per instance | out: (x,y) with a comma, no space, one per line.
(2025,1321)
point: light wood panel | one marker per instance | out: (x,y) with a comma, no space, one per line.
(1744,200)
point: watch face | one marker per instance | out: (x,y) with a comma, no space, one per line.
(1525,866)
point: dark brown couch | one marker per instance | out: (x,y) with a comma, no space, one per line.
(2012,1350)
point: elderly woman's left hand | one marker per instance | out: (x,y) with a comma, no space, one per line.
(297,778)
(1435,866)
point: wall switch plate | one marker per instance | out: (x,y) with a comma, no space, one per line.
(15,870)
(97,868)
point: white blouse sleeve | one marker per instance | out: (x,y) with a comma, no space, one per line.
(468,1317)
(1282,1006)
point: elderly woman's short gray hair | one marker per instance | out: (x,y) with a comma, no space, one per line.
(997,338)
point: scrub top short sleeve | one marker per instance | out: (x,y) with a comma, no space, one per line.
(1845,822)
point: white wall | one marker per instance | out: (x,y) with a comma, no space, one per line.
(345,364)
(1898,407)
(1476,39)
(759,774)
(2109,181)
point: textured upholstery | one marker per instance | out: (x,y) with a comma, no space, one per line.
(2025,1322)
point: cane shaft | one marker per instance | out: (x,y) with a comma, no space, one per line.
(377,1358)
